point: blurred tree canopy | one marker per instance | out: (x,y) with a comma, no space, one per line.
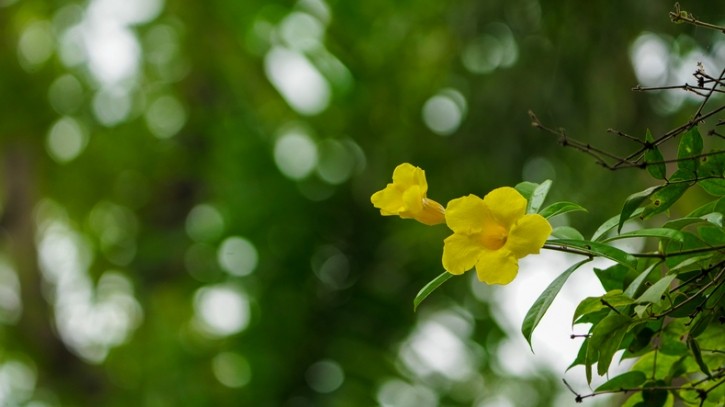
(185,201)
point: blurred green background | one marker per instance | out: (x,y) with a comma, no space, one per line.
(185,188)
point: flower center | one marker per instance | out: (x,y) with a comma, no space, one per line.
(494,236)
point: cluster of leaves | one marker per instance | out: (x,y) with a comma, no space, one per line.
(664,307)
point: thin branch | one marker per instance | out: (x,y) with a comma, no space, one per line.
(717,280)
(681,16)
(656,255)
(686,87)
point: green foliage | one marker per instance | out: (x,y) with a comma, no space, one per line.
(624,381)
(541,305)
(654,159)
(538,196)
(560,208)
(429,288)
(662,306)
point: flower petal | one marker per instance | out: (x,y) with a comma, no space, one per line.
(388,200)
(497,267)
(528,235)
(460,253)
(467,215)
(432,213)
(413,200)
(506,205)
(407,175)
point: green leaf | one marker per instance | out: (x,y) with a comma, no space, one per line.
(605,340)
(559,208)
(713,165)
(653,294)
(610,223)
(566,232)
(662,233)
(538,197)
(653,395)
(695,349)
(640,340)
(716,297)
(653,158)
(703,210)
(430,287)
(541,305)
(672,338)
(633,202)
(526,189)
(598,249)
(681,223)
(664,198)
(587,306)
(633,287)
(591,305)
(624,381)
(713,186)
(712,235)
(655,363)
(689,148)
(701,323)
(613,277)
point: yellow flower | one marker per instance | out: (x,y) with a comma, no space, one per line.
(406,197)
(492,234)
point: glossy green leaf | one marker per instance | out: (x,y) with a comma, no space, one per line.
(594,304)
(624,381)
(702,210)
(672,338)
(641,339)
(712,235)
(538,197)
(611,223)
(691,242)
(598,249)
(566,232)
(653,159)
(661,233)
(430,287)
(634,286)
(713,186)
(715,218)
(712,173)
(701,323)
(656,363)
(716,297)
(689,261)
(681,223)
(636,400)
(654,395)
(526,189)
(664,198)
(697,354)
(613,277)
(653,295)
(541,305)
(605,340)
(633,202)
(587,306)
(687,151)
(559,208)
